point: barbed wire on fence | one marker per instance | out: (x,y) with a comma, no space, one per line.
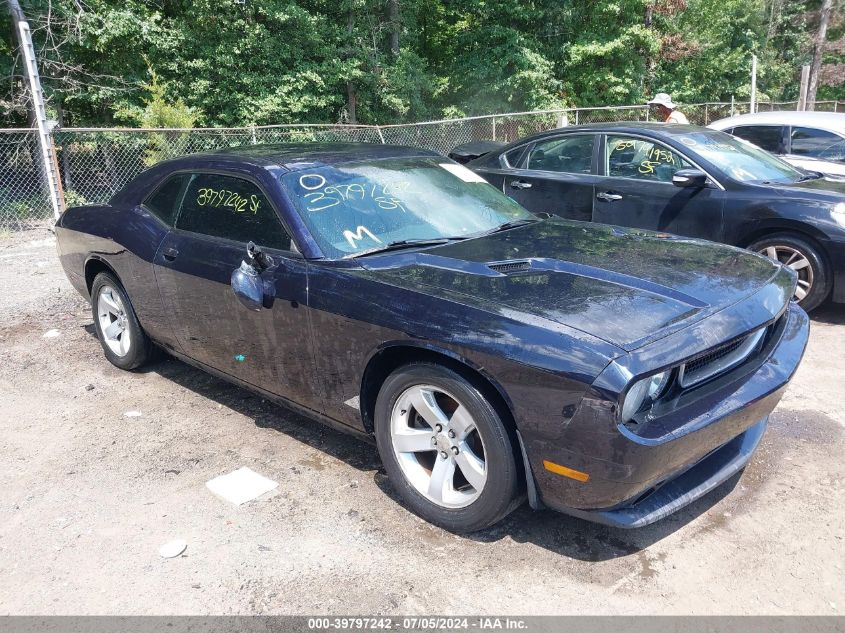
(94,163)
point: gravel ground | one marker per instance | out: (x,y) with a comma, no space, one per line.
(88,495)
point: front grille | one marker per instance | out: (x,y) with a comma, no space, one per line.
(703,361)
(721,359)
(510,267)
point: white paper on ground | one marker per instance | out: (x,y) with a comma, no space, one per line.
(241,486)
(172,549)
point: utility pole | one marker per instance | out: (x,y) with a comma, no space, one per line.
(818,50)
(753,105)
(802,94)
(38,112)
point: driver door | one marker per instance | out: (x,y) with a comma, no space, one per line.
(270,348)
(636,190)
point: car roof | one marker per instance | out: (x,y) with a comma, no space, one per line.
(822,120)
(630,126)
(618,127)
(295,156)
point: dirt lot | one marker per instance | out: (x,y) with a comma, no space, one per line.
(88,495)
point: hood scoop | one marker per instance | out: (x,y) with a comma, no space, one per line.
(511,266)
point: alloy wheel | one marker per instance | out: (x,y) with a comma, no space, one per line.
(797,261)
(113,322)
(438,446)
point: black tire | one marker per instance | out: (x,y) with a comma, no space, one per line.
(499,494)
(140,348)
(820,271)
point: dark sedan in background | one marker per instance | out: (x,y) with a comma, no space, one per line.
(685,180)
(615,374)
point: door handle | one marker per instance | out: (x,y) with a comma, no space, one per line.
(607,196)
(520,184)
(170,253)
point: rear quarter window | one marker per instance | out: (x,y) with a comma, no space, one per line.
(164,201)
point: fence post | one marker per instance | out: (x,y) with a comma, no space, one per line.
(494,128)
(706,121)
(252,132)
(732,105)
(753,103)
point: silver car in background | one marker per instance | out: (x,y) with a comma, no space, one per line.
(814,141)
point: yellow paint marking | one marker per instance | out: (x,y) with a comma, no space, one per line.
(566,472)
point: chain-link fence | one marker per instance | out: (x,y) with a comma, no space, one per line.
(95,163)
(24,198)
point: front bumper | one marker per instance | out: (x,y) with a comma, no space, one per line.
(705,439)
(685,488)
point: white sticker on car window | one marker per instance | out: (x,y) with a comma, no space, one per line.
(462,172)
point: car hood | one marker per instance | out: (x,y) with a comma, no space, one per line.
(835,187)
(625,286)
(830,169)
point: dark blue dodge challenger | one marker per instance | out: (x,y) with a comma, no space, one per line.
(613,374)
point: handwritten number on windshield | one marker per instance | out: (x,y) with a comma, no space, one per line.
(321,197)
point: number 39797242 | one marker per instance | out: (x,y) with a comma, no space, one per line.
(225,198)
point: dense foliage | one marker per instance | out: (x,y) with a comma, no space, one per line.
(236,62)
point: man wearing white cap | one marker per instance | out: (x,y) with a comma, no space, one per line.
(662,102)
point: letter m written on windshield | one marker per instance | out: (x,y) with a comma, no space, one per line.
(358,235)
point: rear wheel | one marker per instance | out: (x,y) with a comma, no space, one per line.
(805,259)
(445,448)
(124,342)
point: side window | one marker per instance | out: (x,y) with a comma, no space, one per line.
(230,207)
(513,156)
(164,201)
(567,154)
(767,137)
(628,157)
(819,143)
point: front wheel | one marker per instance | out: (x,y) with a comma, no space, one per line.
(445,448)
(805,259)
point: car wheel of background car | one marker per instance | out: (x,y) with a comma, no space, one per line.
(805,259)
(445,448)
(124,342)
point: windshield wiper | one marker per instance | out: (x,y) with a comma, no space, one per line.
(509,225)
(412,243)
(813,175)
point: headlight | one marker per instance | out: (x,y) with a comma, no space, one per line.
(649,388)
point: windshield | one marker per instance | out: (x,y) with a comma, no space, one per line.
(740,159)
(352,208)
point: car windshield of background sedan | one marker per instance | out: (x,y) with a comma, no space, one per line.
(355,208)
(740,159)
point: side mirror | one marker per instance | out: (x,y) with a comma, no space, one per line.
(689,178)
(258,259)
(248,286)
